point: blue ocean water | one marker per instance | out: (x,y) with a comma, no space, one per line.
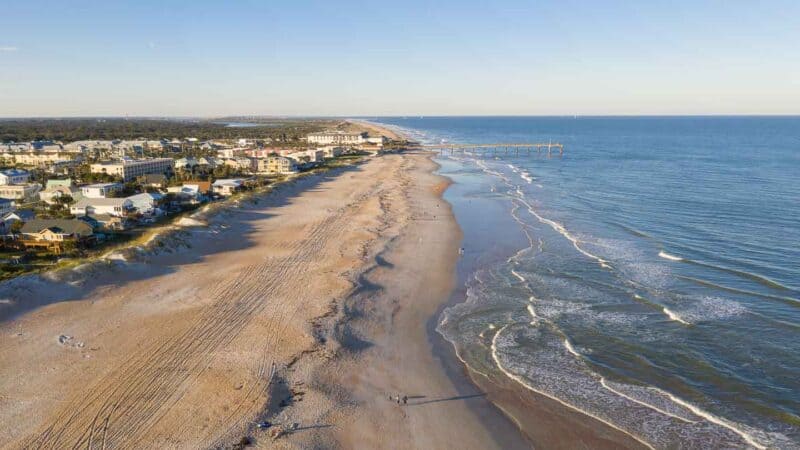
(654,281)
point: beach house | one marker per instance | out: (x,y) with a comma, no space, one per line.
(156,180)
(8,219)
(226,187)
(100,190)
(20,192)
(146,203)
(6,206)
(14,176)
(56,189)
(332,151)
(55,235)
(112,206)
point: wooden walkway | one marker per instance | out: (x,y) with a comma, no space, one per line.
(507,149)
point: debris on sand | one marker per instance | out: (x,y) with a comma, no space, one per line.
(69,341)
(276,432)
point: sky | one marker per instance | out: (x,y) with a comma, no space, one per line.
(372,58)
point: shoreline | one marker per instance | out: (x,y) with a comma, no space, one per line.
(510,402)
(306,305)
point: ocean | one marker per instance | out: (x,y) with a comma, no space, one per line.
(648,277)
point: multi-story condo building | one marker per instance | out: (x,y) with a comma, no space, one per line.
(337,138)
(129,169)
(14,176)
(275,165)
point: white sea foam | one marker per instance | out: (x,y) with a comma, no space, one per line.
(564,232)
(516,274)
(674,316)
(532,312)
(654,417)
(714,419)
(606,385)
(666,255)
(528,386)
(706,308)
(526,176)
(570,348)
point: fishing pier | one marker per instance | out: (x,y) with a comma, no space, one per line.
(515,149)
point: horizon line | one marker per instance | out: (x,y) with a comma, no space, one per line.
(345,117)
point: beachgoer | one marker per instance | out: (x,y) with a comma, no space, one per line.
(405,399)
(398,399)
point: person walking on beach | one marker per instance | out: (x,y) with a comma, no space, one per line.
(405,399)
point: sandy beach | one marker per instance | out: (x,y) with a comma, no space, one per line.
(311,307)
(245,318)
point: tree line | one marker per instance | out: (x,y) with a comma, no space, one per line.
(77,129)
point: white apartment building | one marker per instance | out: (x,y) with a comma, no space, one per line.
(337,138)
(275,165)
(304,156)
(332,151)
(14,176)
(129,169)
(231,152)
(20,192)
(40,159)
(111,206)
(99,190)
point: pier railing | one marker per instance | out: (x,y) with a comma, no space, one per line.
(516,149)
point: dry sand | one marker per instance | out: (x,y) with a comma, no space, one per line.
(189,346)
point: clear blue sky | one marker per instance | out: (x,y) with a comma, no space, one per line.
(201,58)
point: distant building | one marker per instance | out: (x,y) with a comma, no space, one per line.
(10,218)
(20,192)
(13,147)
(190,164)
(156,180)
(129,169)
(6,206)
(110,206)
(40,159)
(52,183)
(191,191)
(307,156)
(59,189)
(276,165)
(54,234)
(146,203)
(63,166)
(105,222)
(228,186)
(100,190)
(14,176)
(380,141)
(231,152)
(241,163)
(336,138)
(332,151)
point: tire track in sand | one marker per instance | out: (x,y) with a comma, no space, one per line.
(135,396)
